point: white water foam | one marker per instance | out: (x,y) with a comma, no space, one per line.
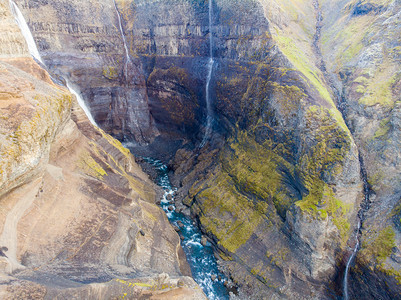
(351,258)
(210,65)
(127,58)
(81,103)
(26,32)
(33,50)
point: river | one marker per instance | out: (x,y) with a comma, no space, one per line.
(200,258)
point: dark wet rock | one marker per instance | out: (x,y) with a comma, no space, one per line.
(180,224)
(169,197)
(170,208)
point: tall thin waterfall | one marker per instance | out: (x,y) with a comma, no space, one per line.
(365,205)
(351,258)
(81,103)
(26,32)
(127,58)
(210,65)
(33,50)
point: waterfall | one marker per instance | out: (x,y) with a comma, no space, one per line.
(351,258)
(33,50)
(365,205)
(210,65)
(81,102)
(127,58)
(26,32)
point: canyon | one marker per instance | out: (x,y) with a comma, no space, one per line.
(279,122)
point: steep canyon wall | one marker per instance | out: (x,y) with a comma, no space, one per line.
(301,91)
(77,213)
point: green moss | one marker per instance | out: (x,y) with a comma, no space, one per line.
(383,130)
(324,158)
(302,63)
(381,245)
(254,169)
(34,132)
(110,72)
(227,214)
(91,167)
(379,90)
(390,271)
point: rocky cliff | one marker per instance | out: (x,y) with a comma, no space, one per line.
(78,215)
(305,125)
(367,79)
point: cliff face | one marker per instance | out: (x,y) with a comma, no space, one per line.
(78,214)
(301,91)
(367,78)
(280,198)
(82,43)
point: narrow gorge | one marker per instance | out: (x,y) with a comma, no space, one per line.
(211,149)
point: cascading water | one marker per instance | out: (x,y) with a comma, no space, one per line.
(33,50)
(127,58)
(210,65)
(364,207)
(351,258)
(200,258)
(81,103)
(26,32)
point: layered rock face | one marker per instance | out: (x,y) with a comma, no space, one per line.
(82,43)
(301,90)
(78,214)
(360,43)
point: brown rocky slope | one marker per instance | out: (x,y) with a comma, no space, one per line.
(78,215)
(301,91)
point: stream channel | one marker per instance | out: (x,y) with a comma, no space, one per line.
(200,258)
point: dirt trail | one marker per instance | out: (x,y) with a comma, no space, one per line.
(8,238)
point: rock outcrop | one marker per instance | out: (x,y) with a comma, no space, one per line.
(360,45)
(78,215)
(304,93)
(82,43)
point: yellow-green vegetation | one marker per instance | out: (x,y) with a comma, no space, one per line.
(110,72)
(302,64)
(312,76)
(253,168)
(390,271)
(228,214)
(325,157)
(348,38)
(263,272)
(33,134)
(90,166)
(119,167)
(279,257)
(383,130)
(234,199)
(380,245)
(379,89)
(254,89)
(117,144)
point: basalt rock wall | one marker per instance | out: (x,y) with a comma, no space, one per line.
(78,214)
(301,90)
